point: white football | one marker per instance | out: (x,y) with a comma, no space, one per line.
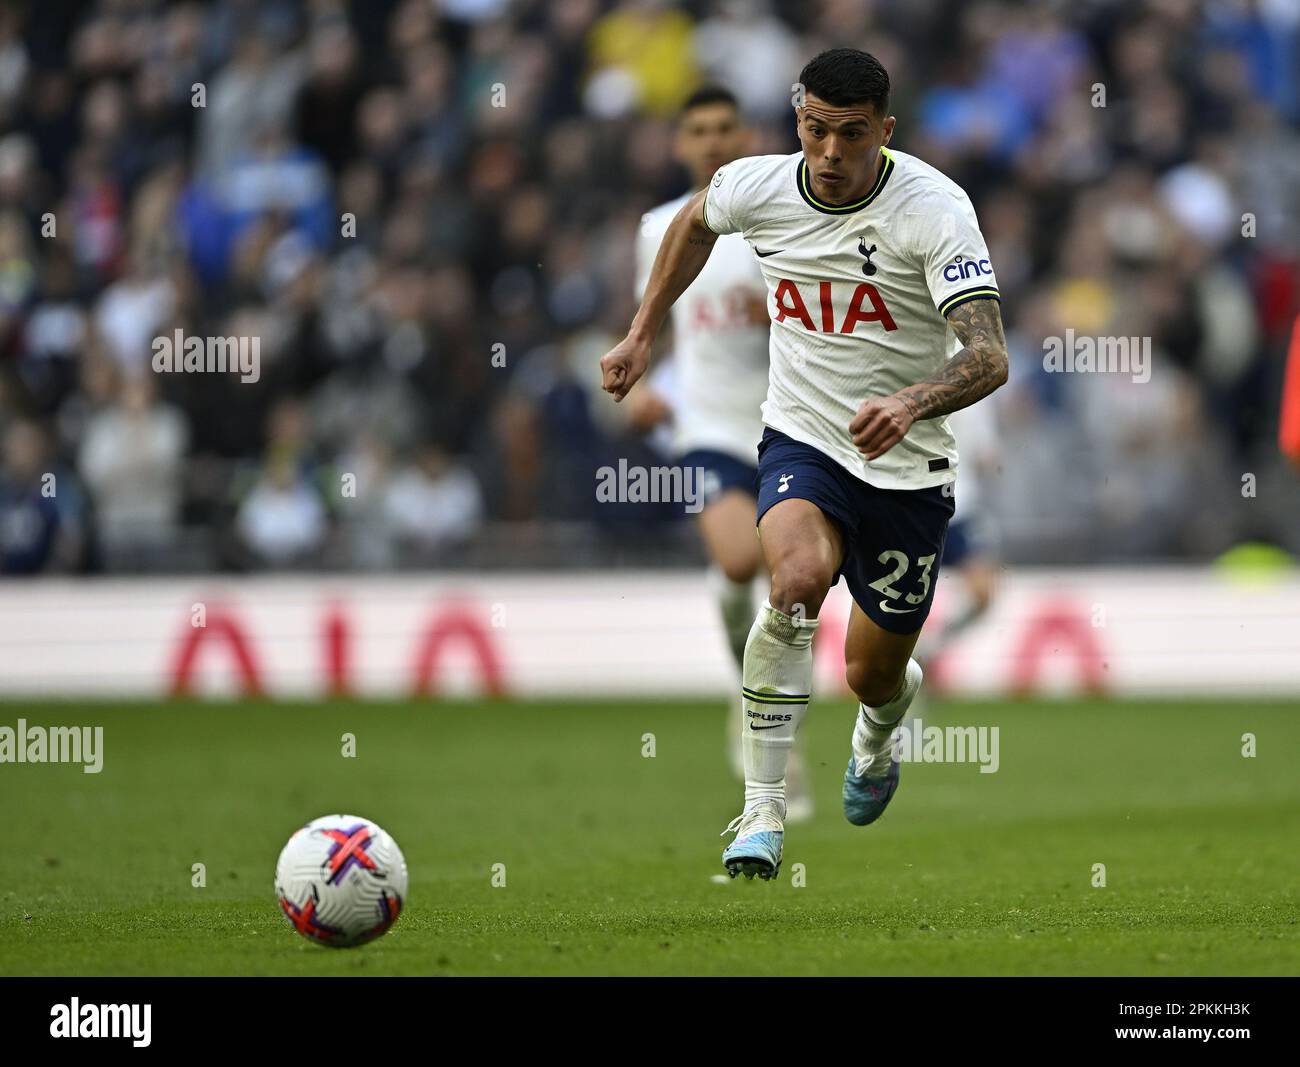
(341,881)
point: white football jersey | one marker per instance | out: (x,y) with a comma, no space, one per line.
(719,347)
(975,427)
(857,296)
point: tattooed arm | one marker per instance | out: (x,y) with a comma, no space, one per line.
(973,373)
(682,255)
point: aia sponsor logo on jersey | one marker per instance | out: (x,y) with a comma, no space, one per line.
(963,267)
(865,305)
(733,309)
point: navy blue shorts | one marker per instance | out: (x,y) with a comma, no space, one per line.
(721,472)
(893,538)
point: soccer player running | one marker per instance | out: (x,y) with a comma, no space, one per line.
(885,318)
(720,342)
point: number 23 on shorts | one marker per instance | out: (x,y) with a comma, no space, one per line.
(901,564)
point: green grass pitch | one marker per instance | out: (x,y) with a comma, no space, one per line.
(610,857)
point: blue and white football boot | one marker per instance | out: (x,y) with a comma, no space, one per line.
(871,779)
(759,837)
(865,797)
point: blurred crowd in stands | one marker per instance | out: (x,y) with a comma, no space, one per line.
(425,211)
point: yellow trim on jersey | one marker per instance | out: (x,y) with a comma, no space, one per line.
(957,299)
(805,187)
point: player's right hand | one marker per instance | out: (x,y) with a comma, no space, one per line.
(622,366)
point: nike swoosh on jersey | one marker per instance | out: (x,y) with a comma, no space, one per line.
(884,606)
(764,255)
(772,727)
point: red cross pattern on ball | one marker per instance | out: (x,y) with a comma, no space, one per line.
(350,849)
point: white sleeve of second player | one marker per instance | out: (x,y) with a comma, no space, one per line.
(955,257)
(976,430)
(663,380)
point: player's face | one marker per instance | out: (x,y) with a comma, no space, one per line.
(708,137)
(842,147)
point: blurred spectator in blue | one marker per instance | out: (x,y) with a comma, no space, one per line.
(42,511)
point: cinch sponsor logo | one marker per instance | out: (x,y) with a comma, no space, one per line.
(865,305)
(56,744)
(102,1020)
(651,485)
(962,268)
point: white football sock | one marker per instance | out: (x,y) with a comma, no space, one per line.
(736,606)
(777,684)
(875,726)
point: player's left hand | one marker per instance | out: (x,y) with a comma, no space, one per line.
(879,425)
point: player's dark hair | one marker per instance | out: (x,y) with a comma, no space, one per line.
(710,94)
(846,76)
